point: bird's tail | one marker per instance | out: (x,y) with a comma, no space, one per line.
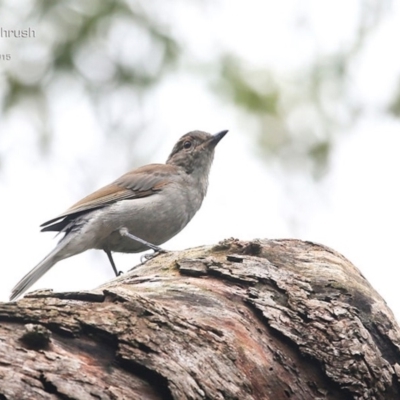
(36,273)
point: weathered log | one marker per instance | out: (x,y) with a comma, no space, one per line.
(267,319)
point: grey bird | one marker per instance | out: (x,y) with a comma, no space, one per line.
(139,211)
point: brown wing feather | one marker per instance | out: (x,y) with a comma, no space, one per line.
(141,182)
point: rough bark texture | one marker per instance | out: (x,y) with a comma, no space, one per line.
(268,319)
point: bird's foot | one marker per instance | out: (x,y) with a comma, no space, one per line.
(147,257)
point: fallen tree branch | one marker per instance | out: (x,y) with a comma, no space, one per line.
(267,319)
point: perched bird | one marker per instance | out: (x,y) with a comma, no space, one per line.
(140,210)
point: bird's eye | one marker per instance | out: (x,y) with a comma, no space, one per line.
(187,144)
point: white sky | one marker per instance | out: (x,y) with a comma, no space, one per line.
(356,211)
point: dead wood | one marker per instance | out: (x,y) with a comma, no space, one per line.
(268,319)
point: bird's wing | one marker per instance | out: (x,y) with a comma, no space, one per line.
(141,182)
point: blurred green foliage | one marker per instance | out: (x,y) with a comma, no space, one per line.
(294,121)
(72,43)
(394,106)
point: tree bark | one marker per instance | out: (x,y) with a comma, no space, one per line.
(266,319)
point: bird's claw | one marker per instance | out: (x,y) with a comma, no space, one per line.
(147,257)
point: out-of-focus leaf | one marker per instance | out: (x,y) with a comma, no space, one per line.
(320,154)
(254,92)
(394,106)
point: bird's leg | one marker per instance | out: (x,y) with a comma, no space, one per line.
(109,255)
(157,250)
(125,232)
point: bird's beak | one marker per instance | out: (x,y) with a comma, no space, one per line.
(217,137)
